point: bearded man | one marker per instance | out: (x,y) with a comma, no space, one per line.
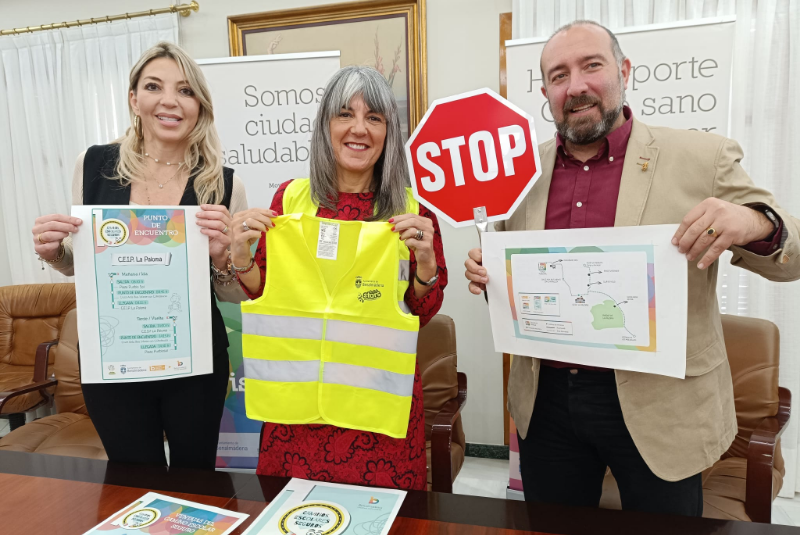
(605,168)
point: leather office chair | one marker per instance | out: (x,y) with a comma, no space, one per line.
(445,394)
(745,481)
(30,314)
(70,432)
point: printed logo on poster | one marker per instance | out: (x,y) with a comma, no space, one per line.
(113,233)
(323,518)
(140,518)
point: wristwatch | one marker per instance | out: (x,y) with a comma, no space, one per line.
(430,282)
(767,211)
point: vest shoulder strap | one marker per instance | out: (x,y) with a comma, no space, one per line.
(297,198)
(412,204)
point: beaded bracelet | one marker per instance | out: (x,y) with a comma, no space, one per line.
(242,271)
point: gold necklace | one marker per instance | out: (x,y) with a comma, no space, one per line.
(147,185)
(161,186)
(159,161)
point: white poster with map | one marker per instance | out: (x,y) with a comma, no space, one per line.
(610,297)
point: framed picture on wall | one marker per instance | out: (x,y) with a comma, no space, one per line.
(388,35)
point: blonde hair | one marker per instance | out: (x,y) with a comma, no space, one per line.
(204,149)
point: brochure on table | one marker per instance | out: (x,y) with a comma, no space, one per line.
(143,293)
(313,508)
(156,514)
(606,297)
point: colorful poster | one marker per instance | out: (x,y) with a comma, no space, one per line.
(157,514)
(609,297)
(143,294)
(238,444)
(313,508)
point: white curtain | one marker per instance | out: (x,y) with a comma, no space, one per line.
(61,91)
(764,115)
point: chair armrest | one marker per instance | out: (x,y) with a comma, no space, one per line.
(761,459)
(42,357)
(27,389)
(442,437)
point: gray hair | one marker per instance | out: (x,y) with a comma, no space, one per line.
(615,48)
(390,176)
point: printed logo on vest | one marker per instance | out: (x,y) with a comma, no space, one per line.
(370,295)
(367,283)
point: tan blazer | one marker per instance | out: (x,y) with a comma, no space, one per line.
(680,426)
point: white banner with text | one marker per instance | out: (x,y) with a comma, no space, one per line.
(264,108)
(680,76)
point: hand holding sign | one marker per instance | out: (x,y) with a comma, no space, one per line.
(472,150)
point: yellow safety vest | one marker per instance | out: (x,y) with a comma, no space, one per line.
(331,341)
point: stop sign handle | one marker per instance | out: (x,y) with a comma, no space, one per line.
(481,221)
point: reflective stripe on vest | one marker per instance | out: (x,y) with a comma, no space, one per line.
(329,341)
(345,332)
(303,371)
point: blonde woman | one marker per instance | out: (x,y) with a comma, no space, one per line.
(170,156)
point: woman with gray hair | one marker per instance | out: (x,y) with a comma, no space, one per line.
(358,172)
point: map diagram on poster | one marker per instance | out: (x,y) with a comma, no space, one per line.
(590,297)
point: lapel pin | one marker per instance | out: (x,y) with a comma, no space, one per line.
(645,164)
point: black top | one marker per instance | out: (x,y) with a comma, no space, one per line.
(100,163)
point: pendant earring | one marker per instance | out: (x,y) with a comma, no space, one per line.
(137,127)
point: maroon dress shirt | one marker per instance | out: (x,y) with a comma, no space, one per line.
(584,194)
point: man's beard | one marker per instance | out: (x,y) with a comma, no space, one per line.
(584,131)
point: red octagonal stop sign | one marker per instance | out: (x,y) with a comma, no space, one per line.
(471,150)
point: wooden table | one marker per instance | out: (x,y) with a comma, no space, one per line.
(47,494)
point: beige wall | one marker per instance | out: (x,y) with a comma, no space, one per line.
(463,38)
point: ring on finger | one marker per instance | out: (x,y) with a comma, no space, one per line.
(245,227)
(711,231)
(39,237)
(225,230)
(420,234)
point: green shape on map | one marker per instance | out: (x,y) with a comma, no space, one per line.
(607,316)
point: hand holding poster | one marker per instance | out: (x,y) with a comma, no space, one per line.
(605,297)
(143,294)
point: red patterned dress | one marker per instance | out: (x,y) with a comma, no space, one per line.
(330,453)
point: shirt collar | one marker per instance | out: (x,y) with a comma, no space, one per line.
(616,142)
